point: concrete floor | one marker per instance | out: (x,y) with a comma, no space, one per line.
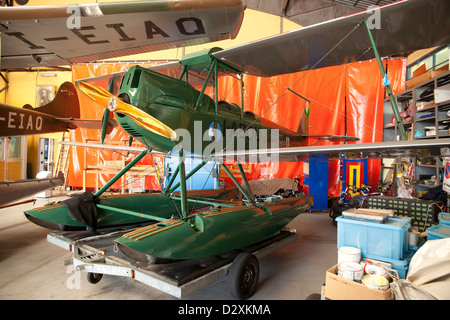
(32,268)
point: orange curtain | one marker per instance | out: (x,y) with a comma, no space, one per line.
(346,99)
(81,157)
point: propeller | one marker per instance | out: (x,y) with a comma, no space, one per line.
(106,112)
(114,104)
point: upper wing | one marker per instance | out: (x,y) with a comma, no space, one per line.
(398,28)
(389,149)
(65,34)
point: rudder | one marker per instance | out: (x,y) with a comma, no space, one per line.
(65,104)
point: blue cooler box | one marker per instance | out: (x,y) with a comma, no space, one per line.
(444,218)
(379,241)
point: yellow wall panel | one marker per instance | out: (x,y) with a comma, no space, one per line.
(14,170)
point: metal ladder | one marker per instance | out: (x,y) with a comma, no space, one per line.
(62,164)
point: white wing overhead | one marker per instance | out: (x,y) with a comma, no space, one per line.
(389,149)
(66,34)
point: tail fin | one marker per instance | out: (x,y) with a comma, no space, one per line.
(304,123)
(65,104)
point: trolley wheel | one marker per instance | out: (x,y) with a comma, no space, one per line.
(244,274)
(94,277)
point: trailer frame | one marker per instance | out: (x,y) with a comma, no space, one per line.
(98,255)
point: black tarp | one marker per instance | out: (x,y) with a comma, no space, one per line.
(82,209)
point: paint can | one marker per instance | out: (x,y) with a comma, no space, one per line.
(413,236)
(351,254)
(350,270)
(373,281)
(371,268)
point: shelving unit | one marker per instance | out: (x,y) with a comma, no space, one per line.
(428,117)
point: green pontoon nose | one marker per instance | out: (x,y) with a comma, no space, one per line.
(211,232)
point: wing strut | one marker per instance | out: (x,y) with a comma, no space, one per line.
(121,173)
(386,84)
(184,203)
(248,195)
(183,178)
(198,167)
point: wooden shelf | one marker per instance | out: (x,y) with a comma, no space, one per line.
(421,93)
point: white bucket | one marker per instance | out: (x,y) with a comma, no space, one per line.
(413,236)
(375,282)
(350,270)
(350,254)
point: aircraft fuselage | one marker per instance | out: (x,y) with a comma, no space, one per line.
(198,126)
(15,121)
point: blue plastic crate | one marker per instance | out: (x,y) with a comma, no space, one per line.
(380,241)
(439,231)
(444,218)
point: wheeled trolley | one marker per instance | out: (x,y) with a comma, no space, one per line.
(98,255)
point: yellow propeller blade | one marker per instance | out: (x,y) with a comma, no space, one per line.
(108,100)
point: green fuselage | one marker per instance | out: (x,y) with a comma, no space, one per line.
(177,104)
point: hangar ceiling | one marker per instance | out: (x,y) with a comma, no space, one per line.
(306,12)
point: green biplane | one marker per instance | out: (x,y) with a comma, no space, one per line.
(161,112)
(149,104)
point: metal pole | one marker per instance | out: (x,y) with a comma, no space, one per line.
(216,89)
(235,182)
(244,178)
(198,167)
(205,202)
(184,204)
(241,78)
(200,96)
(121,173)
(131,213)
(388,86)
(174,175)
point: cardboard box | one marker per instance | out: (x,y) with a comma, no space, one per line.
(425,76)
(339,288)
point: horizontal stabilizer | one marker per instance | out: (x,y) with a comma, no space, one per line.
(89,124)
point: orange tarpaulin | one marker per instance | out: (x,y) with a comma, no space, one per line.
(82,158)
(346,99)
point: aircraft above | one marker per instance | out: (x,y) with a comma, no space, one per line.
(36,36)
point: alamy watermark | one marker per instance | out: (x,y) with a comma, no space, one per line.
(374,20)
(249,145)
(74,21)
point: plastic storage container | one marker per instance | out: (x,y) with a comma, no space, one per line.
(439,231)
(444,218)
(380,241)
